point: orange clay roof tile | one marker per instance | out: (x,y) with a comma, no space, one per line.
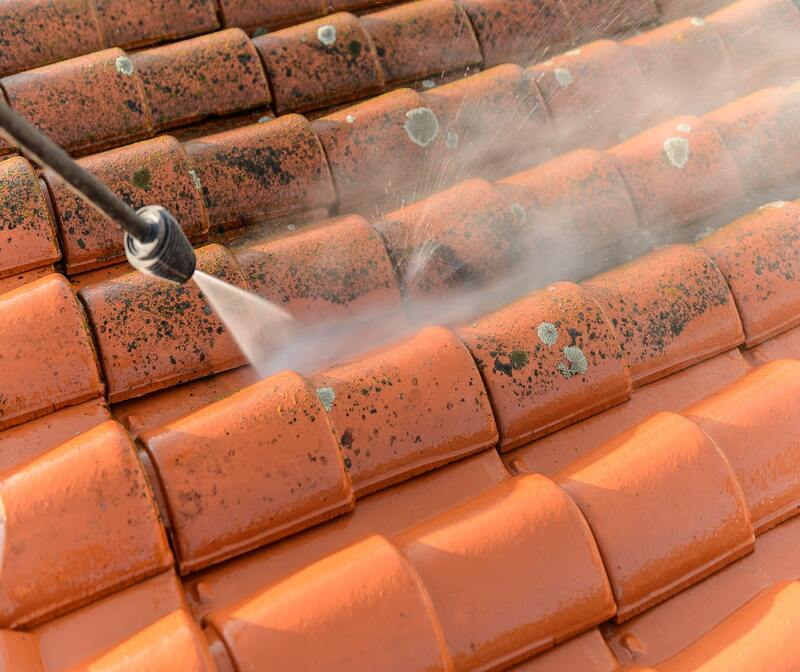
(95,484)
(548,360)
(407,409)
(151,335)
(212,466)
(364,603)
(152,171)
(587,652)
(261,171)
(48,358)
(27,233)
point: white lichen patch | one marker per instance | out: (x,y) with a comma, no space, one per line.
(697,21)
(677,151)
(326,396)
(578,364)
(547,333)
(683,128)
(451,139)
(265,119)
(327,34)
(195,180)
(519,213)
(350,119)
(428,83)
(421,126)
(774,204)
(563,77)
(124,65)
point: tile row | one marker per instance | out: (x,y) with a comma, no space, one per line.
(545,361)
(602,530)
(111,97)
(288,166)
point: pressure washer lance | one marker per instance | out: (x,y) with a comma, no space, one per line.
(154,241)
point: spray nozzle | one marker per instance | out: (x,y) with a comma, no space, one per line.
(164,251)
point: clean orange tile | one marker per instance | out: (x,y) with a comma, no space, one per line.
(256,466)
(634,488)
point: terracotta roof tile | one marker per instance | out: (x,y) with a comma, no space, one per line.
(675,9)
(759,255)
(35,33)
(151,335)
(128,23)
(27,233)
(217,74)
(253,14)
(211,466)
(262,171)
(320,63)
(758,410)
(587,652)
(386,512)
(104,101)
(19,649)
(493,543)
(671,626)
(465,236)
(407,409)
(762,635)
(324,272)
(92,483)
(152,171)
(631,491)
(556,451)
(415,39)
(365,601)
(48,357)
(20,279)
(35,438)
(779,347)
(670,309)
(548,360)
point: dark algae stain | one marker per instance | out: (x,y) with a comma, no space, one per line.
(142,178)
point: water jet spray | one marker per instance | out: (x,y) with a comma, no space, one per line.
(154,241)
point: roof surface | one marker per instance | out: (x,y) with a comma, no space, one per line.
(540,408)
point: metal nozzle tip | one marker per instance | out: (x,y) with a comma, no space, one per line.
(168,253)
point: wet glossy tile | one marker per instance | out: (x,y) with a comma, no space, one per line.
(673,57)
(759,255)
(153,334)
(128,23)
(752,422)
(762,133)
(596,17)
(576,204)
(36,33)
(79,523)
(461,238)
(634,488)
(358,139)
(595,93)
(355,609)
(386,512)
(214,74)
(670,309)
(36,437)
(320,63)
(515,30)
(256,466)
(153,172)
(492,545)
(27,233)
(677,9)
(48,357)
(19,650)
(261,171)
(159,408)
(761,636)
(677,172)
(413,40)
(336,269)
(407,409)
(84,104)
(547,360)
